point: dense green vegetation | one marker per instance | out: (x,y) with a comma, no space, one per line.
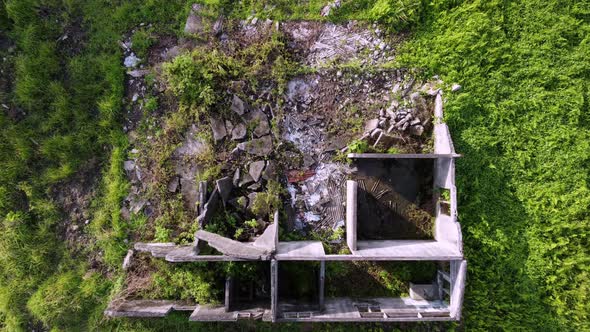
(521,122)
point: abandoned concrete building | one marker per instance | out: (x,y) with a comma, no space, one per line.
(378,202)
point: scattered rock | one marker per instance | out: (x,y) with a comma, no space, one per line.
(260,120)
(173,184)
(218,26)
(456,87)
(239,132)
(270,172)
(236,178)
(138,73)
(218,127)
(255,186)
(251,198)
(256,169)
(417,130)
(371,125)
(259,147)
(127,260)
(328,8)
(229,127)
(238,105)
(194,22)
(246,180)
(129,165)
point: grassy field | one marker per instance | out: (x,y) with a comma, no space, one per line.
(521,121)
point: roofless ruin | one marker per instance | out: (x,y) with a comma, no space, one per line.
(385,192)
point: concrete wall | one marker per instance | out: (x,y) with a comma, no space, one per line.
(351,214)
(458,278)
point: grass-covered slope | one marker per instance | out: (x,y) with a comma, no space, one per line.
(521,121)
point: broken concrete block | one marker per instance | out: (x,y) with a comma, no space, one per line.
(456,87)
(269,239)
(255,169)
(259,147)
(229,127)
(224,186)
(218,127)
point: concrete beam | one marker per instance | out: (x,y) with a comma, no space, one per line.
(322,282)
(269,240)
(274,288)
(228,290)
(351,214)
(402,155)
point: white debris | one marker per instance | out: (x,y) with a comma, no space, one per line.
(131,61)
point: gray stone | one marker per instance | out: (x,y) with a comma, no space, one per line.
(127,260)
(246,180)
(229,127)
(190,194)
(270,172)
(138,73)
(251,199)
(209,209)
(259,147)
(238,105)
(456,87)
(371,125)
(194,22)
(218,127)
(192,145)
(255,187)
(173,184)
(239,132)
(131,61)
(258,119)
(255,169)
(225,186)
(218,26)
(236,178)
(129,165)
(240,203)
(417,130)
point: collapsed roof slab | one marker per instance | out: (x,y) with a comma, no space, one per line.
(233,248)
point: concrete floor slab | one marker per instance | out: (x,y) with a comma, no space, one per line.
(300,250)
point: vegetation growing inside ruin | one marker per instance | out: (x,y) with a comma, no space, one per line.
(520,121)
